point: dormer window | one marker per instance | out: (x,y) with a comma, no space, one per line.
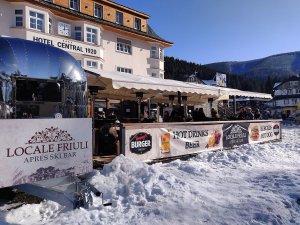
(75,4)
(119,18)
(137,24)
(98,11)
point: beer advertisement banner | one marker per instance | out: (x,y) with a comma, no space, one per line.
(39,149)
(175,140)
(182,140)
(154,143)
(261,132)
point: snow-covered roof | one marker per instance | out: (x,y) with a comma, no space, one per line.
(277,84)
(210,82)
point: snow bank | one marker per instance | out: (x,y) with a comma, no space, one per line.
(253,184)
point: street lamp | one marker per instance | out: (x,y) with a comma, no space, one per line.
(171,100)
(139,96)
(184,100)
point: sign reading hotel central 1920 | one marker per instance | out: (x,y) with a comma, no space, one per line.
(65,44)
(34,150)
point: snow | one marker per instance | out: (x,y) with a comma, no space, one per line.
(254,184)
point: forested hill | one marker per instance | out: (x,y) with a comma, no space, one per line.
(178,69)
(281,65)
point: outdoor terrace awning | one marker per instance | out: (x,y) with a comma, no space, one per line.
(236,92)
(122,85)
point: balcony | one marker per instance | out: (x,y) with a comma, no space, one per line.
(156,63)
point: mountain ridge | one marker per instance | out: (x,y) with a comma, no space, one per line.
(281,65)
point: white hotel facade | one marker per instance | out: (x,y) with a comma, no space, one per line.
(100,34)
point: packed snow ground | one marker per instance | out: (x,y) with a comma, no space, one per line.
(253,184)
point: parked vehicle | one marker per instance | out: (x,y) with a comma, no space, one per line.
(295,117)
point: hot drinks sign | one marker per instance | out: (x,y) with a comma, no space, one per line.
(34,150)
(182,139)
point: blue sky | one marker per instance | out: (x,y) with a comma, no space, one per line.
(207,31)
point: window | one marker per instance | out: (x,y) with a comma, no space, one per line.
(1,96)
(124,70)
(78,33)
(119,18)
(38,90)
(284,91)
(19,17)
(36,20)
(286,101)
(50,25)
(91,35)
(161,53)
(75,4)
(294,101)
(92,64)
(98,11)
(123,45)
(153,74)
(137,23)
(154,52)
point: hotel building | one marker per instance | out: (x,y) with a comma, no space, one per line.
(286,97)
(100,34)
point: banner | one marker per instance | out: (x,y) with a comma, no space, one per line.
(261,132)
(235,134)
(182,139)
(39,149)
(221,80)
(154,143)
(141,144)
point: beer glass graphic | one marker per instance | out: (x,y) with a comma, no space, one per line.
(165,143)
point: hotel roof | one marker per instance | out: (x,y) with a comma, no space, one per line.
(149,34)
